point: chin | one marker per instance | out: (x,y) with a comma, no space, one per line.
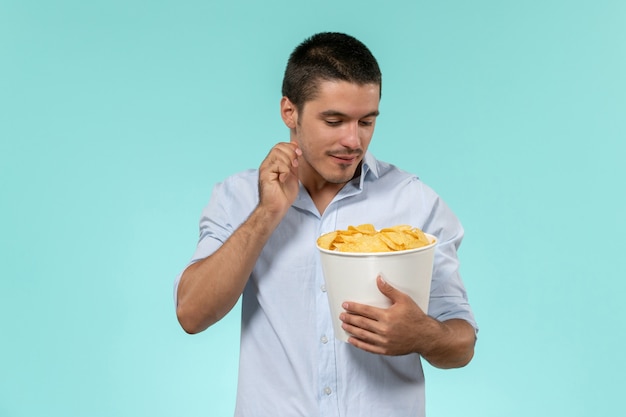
(340,178)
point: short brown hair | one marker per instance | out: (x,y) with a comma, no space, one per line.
(327,56)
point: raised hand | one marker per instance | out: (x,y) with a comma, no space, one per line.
(278,178)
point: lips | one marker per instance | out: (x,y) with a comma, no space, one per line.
(346,158)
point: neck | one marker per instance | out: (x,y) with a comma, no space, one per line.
(320,190)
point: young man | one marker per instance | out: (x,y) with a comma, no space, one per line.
(257,238)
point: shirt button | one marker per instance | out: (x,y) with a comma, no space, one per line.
(327,391)
(323,288)
(324,339)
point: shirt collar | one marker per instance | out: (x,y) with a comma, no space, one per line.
(369,172)
(369,166)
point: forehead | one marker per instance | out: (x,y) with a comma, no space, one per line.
(344,97)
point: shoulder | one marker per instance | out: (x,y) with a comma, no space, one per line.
(247,177)
(384,174)
(406,188)
(235,195)
(242,185)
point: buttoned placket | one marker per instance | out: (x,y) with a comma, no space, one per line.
(327,357)
(327,374)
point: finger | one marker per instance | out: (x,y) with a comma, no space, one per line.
(290,150)
(385,288)
(366,340)
(285,152)
(389,291)
(368,347)
(359,326)
(298,152)
(281,161)
(364,310)
(354,321)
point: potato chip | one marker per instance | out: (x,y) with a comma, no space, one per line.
(325,241)
(363,228)
(365,238)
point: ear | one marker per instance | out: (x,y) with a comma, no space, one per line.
(288,113)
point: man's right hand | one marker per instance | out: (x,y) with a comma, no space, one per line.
(278,178)
(209,288)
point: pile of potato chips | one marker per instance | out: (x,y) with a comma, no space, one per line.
(365,238)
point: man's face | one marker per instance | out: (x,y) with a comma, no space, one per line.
(333,130)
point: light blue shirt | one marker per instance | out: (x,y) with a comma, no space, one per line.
(290,363)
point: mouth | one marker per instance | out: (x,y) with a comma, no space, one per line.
(346,159)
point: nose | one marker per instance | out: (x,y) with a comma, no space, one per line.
(351,137)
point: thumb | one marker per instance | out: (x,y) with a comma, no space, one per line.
(387,290)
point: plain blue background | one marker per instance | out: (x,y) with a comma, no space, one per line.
(117,117)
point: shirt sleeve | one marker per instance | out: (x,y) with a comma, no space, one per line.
(229,205)
(448,296)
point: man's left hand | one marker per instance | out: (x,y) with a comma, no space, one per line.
(404,328)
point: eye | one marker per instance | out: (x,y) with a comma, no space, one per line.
(333,122)
(366,123)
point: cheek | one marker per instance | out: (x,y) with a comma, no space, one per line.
(366,137)
(314,137)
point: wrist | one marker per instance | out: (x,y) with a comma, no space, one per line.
(265,219)
(451,344)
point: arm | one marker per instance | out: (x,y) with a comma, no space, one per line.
(404,328)
(209,288)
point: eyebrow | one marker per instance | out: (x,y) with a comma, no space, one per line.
(328,113)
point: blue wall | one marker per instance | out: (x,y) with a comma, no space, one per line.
(117,117)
